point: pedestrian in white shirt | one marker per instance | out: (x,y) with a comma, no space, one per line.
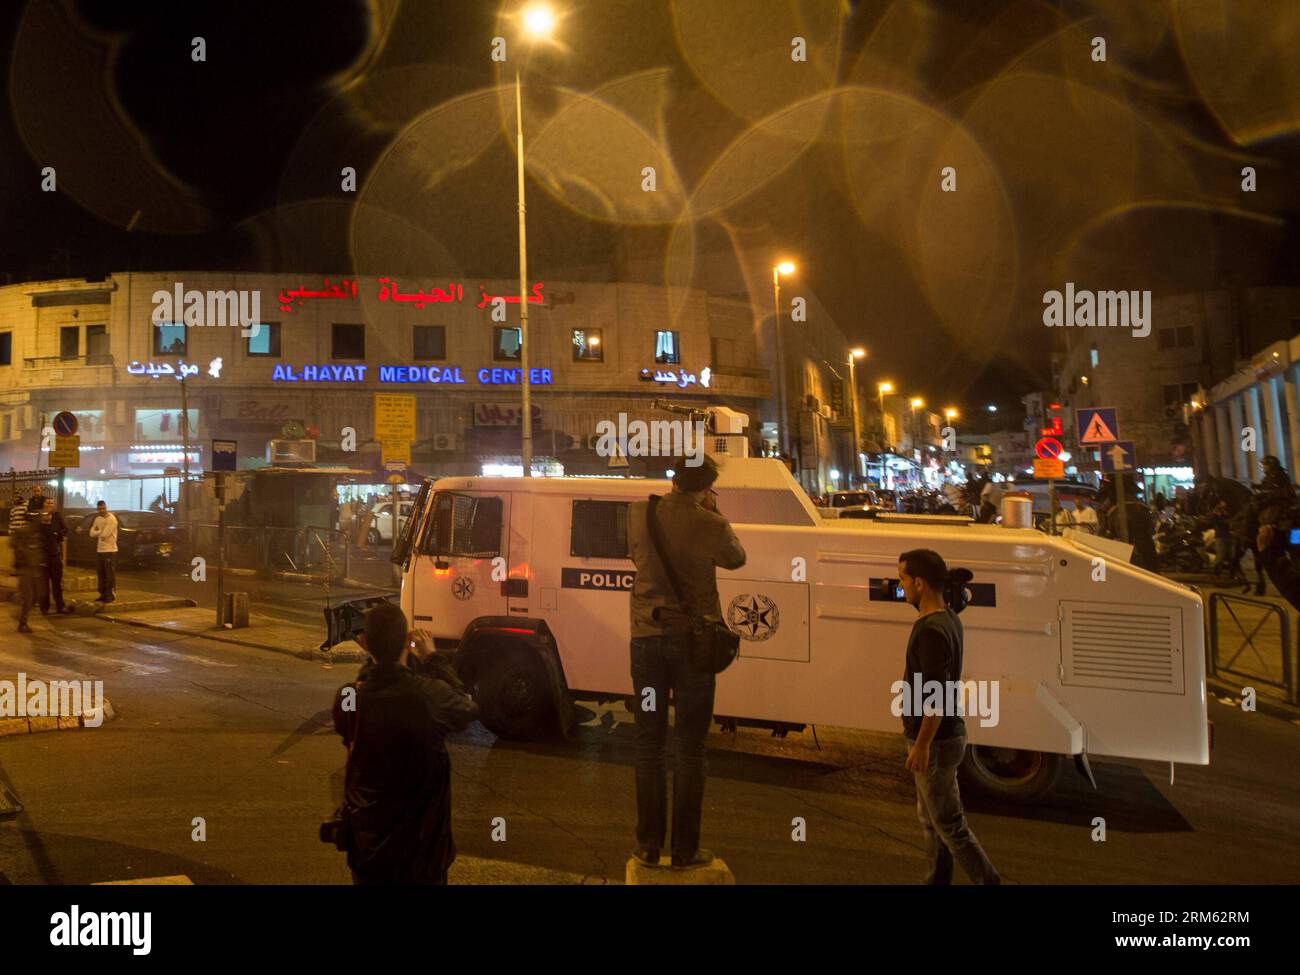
(104,530)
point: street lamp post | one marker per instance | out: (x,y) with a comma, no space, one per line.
(785,267)
(917,403)
(882,389)
(855,354)
(538,21)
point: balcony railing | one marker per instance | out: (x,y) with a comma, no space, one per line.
(56,361)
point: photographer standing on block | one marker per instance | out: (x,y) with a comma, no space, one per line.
(937,742)
(395,822)
(696,539)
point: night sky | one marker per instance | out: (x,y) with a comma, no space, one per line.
(1117,174)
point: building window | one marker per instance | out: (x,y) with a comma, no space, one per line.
(588,345)
(6,348)
(169,339)
(1094,356)
(266,342)
(97,344)
(430,342)
(348,342)
(667,349)
(1183,337)
(69,341)
(505,343)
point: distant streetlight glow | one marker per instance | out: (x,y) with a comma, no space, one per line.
(786,268)
(992,408)
(917,403)
(858,353)
(539,20)
(950,413)
(885,387)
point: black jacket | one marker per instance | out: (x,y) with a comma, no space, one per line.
(398,778)
(1282,572)
(52,536)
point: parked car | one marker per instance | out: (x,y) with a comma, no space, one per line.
(381,521)
(860,503)
(143,537)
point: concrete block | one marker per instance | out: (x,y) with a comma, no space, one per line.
(13,726)
(43,724)
(715,874)
(176,880)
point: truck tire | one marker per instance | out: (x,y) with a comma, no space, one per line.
(514,696)
(1017,774)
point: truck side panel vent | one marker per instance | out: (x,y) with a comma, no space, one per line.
(1122,647)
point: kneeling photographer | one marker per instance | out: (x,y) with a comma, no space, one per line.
(395,822)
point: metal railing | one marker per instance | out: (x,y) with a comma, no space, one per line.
(1268,662)
(325,553)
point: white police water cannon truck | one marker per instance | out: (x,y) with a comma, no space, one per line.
(528,581)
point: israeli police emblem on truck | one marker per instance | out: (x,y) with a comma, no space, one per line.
(753,616)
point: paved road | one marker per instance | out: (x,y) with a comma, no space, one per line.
(240,737)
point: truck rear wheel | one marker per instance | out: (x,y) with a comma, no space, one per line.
(514,696)
(1009,773)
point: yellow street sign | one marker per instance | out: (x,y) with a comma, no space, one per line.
(66,452)
(395,452)
(394,417)
(1046,470)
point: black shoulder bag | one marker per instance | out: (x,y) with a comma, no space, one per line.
(713,646)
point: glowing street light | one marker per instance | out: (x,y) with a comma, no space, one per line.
(537,21)
(950,413)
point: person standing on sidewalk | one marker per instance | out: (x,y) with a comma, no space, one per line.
(53,533)
(104,530)
(697,540)
(937,742)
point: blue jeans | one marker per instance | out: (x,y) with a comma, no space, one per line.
(663,664)
(938,807)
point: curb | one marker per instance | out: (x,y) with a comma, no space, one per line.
(95,608)
(220,636)
(1264,705)
(30,726)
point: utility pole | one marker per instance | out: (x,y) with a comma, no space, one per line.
(185,453)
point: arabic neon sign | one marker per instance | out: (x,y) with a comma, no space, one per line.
(436,375)
(680,379)
(181,370)
(389,291)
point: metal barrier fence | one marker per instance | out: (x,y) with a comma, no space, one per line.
(326,553)
(1269,661)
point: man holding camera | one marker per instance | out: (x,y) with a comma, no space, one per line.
(697,539)
(395,823)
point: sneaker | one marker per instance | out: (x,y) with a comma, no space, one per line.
(66,609)
(110,599)
(24,628)
(700,858)
(647,855)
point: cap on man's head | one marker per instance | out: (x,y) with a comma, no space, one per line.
(698,478)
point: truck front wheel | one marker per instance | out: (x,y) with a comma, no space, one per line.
(1009,773)
(514,696)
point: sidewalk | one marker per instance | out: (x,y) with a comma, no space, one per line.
(262,632)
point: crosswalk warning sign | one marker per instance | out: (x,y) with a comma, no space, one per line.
(1098,425)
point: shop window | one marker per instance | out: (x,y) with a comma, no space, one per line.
(465,526)
(348,342)
(588,345)
(266,342)
(69,342)
(430,342)
(163,424)
(1094,356)
(599,530)
(506,343)
(169,339)
(6,348)
(667,348)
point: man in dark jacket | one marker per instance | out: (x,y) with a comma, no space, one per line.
(397,785)
(29,564)
(53,533)
(697,540)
